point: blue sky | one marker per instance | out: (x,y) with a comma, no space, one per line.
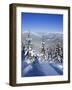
(35,22)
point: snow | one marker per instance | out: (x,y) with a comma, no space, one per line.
(38,68)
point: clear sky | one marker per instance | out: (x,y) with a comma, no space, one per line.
(35,22)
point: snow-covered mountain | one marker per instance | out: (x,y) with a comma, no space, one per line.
(51,39)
